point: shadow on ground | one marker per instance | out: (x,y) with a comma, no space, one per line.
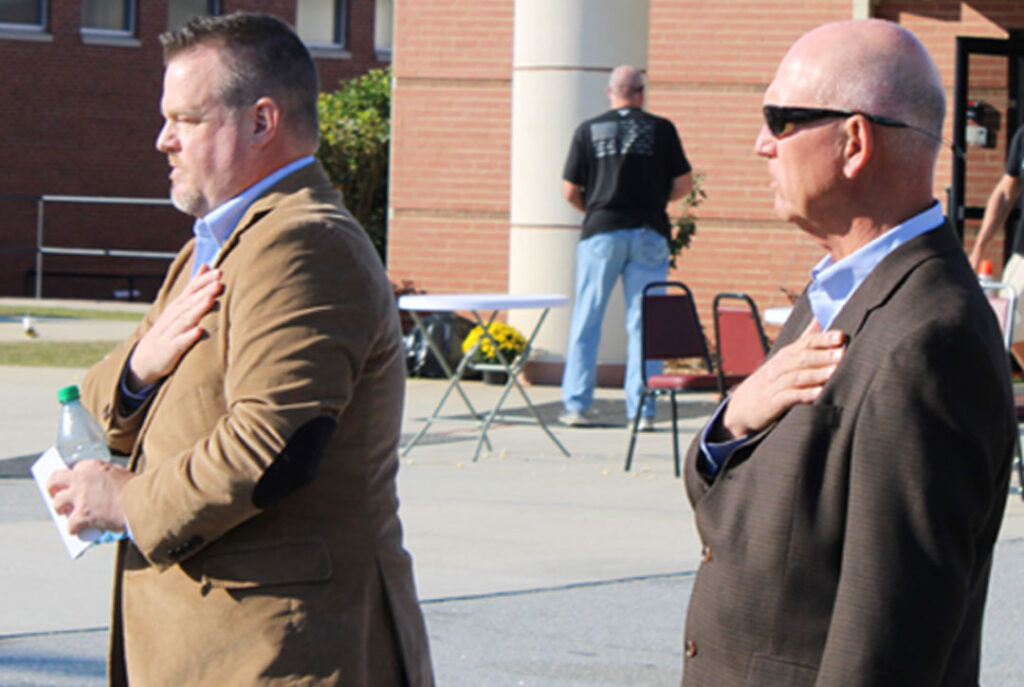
(604,412)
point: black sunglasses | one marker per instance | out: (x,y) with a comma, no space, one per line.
(782,120)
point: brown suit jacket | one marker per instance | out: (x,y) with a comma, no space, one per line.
(266,546)
(850,542)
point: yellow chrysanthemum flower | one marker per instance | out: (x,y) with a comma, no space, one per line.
(510,341)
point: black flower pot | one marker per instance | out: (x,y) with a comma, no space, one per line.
(497,377)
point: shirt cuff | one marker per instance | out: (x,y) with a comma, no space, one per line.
(133,400)
(715,454)
(109,537)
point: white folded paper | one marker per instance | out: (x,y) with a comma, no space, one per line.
(47,464)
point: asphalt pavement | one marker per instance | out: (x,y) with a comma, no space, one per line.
(533,568)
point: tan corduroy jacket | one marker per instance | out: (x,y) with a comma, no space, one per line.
(266,546)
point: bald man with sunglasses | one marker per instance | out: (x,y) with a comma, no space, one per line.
(849,493)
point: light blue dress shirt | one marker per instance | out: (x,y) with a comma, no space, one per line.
(832,284)
(213,230)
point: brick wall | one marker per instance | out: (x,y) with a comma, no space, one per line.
(451,128)
(710,83)
(709,63)
(81,119)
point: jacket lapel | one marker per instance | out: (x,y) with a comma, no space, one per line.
(873,293)
(310,176)
(877,287)
(180,280)
(795,324)
(890,273)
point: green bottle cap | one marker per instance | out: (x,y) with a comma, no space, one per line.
(68,394)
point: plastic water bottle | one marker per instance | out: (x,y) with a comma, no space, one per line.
(79,435)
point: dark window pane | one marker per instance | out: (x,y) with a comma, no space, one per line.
(21,12)
(180,11)
(108,15)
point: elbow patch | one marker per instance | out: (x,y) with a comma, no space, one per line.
(297,464)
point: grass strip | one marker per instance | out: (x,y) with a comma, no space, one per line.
(43,311)
(54,353)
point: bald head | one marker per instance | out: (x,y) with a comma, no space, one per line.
(868,162)
(872,66)
(626,87)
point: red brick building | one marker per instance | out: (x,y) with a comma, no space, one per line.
(80,112)
(708,66)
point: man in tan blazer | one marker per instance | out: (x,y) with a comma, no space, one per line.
(849,492)
(259,401)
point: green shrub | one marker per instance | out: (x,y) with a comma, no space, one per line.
(355,134)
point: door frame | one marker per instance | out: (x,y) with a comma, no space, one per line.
(965,47)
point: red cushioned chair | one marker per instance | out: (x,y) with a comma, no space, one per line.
(670,329)
(741,345)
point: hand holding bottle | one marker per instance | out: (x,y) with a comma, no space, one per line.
(89,492)
(90,495)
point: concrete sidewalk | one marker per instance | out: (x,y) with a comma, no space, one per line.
(535,569)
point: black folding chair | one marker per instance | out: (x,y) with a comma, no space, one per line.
(670,329)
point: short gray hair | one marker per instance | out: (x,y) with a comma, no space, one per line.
(626,81)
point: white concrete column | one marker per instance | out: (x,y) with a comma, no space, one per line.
(563,53)
(864,9)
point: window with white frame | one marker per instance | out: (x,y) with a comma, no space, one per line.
(25,15)
(382,31)
(322,23)
(108,17)
(180,11)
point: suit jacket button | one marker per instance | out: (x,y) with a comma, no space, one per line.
(691,648)
(705,553)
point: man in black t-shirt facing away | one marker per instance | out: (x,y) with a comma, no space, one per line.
(624,166)
(997,209)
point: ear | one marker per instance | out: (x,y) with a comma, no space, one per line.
(859,147)
(266,122)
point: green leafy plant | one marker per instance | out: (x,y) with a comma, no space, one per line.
(510,341)
(686,225)
(355,135)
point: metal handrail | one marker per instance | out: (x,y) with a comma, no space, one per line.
(42,249)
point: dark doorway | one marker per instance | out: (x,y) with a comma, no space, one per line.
(987,110)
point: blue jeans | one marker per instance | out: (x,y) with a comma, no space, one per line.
(641,257)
